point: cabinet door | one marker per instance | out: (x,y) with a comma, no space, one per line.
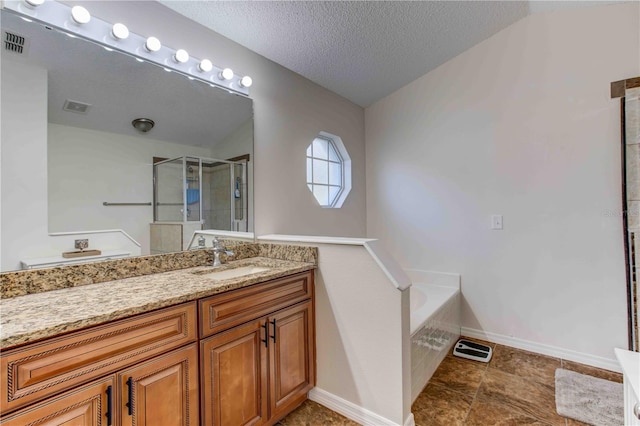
(162,391)
(234,376)
(291,357)
(89,405)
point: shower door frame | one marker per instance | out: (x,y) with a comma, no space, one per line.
(632,268)
(185,211)
(200,160)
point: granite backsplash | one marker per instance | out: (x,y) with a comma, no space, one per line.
(20,283)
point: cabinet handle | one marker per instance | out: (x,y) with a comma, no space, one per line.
(274,330)
(636,410)
(108,414)
(129,404)
(266,334)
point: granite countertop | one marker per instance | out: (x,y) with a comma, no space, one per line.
(36,316)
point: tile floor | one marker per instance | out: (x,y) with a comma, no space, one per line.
(515,388)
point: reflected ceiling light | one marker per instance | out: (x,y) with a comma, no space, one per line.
(33,3)
(152,44)
(246,81)
(80,15)
(226,74)
(205,65)
(139,60)
(119,31)
(181,56)
(143,124)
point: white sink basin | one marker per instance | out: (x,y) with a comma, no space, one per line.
(233,273)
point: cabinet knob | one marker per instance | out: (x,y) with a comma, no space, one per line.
(636,410)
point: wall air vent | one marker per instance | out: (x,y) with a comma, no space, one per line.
(14,43)
(75,106)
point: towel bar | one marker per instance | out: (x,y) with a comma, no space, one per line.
(125,204)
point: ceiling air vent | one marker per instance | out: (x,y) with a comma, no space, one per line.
(75,106)
(14,43)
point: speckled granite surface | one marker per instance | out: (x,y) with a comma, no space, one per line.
(36,316)
(289,252)
(19,283)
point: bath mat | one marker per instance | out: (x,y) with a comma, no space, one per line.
(588,399)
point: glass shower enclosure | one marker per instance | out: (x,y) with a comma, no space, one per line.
(206,190)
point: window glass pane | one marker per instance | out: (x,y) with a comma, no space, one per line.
(322,194)
(309,169)
(335,174)
(333,155)
(320,171)
(320,148)
(333,193)
(310,187)
(309,150)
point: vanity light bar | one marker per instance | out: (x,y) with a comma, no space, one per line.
(77,21)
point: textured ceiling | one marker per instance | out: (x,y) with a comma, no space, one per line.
(362,50)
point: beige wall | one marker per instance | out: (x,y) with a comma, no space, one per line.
(24,162)
(88,167)
(520,125)
(289,112)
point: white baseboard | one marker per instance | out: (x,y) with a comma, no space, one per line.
(410,420)
(554,351)
(352,411)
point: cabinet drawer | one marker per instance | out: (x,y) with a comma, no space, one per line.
(229,309)
(88,405)
(39,370)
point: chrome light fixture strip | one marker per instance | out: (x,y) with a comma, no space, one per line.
(57,15)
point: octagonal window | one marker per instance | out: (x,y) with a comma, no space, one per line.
(328,170)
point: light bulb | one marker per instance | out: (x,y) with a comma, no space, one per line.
(80,15)
(34,3)
(205,65)
(152,44)
(246,81)
(226,74)
(120,31)
(181,56)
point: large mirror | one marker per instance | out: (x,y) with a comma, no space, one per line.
(192,170)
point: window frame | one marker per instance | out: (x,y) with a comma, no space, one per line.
(344,161)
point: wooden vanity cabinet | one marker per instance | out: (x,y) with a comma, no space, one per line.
(89,405)
(48,379)
(162,391)
(257,372)
(253,364)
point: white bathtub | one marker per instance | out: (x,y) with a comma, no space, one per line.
(435,323)
(426,300)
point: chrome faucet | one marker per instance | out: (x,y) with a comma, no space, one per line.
(217,249)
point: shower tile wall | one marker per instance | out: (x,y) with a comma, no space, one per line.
(217,207)
(632,138)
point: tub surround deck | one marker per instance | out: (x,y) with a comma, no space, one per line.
(73,303)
